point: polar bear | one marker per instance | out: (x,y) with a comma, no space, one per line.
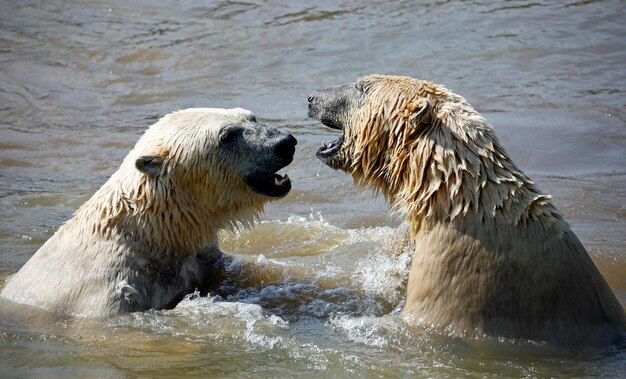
(492,254)
(148,236)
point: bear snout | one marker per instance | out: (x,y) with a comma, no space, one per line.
(286,147)
(312,108)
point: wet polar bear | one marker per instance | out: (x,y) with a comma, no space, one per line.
(492,254)
(148,236)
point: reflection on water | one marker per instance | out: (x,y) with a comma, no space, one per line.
(81,80)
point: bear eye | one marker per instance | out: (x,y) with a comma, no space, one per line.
(228,135)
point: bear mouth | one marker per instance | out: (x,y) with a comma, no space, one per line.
(328,150)
(272,185)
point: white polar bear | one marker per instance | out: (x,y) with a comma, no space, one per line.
(148,236)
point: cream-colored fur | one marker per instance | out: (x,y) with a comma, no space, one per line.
(148,237)
(492,253)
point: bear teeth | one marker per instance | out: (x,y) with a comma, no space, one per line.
(279,181)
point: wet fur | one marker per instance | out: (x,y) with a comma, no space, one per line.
(492,253)
(146,239)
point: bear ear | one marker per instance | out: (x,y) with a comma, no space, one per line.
(420,112)
(150,164)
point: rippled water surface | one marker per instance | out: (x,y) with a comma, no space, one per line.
(81,80)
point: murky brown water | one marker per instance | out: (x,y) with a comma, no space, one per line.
(81,80)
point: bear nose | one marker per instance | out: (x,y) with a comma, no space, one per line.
(286,147)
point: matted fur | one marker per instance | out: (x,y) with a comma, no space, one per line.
(492,253)
(439,168)
(147,238)
(195,194)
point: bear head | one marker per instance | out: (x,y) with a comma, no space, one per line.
(413,140)
(198,170)
(425,148)
(375,114)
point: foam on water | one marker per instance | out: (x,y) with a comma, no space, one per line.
(383,275)
(345,299)
(208,319)
(334,279)
(368,330)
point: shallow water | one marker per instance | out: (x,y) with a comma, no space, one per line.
(81,80)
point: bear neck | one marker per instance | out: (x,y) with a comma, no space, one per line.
(148,213)
(457,172)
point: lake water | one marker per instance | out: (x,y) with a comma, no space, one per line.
(81,80)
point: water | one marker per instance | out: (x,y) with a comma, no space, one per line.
(81,80)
